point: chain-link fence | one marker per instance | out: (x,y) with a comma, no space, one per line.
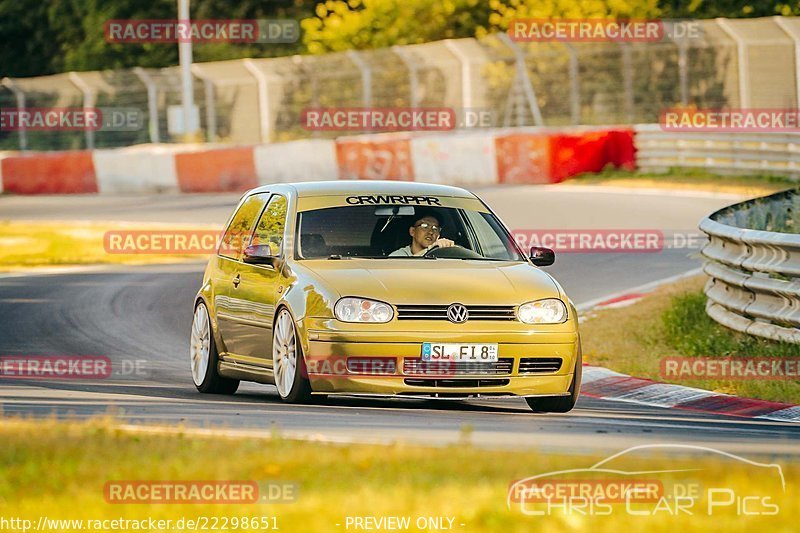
(732,63)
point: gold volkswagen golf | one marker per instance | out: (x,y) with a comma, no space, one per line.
(382,288)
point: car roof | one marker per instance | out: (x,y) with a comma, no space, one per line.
(350,187)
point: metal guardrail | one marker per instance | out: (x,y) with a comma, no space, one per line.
(753,264)
(767,153)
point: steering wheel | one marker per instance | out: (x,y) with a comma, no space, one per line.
(451,252)
(432,248)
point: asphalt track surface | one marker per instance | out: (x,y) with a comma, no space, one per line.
(144,314)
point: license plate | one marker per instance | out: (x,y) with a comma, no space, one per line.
(474,353)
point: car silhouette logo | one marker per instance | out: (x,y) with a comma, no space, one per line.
(457,313)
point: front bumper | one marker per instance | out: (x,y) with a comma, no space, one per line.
(328,350)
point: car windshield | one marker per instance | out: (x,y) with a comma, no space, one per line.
(383,232)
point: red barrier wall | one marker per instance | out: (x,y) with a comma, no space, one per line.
(388,159)
(576,153)
(49,173)
(523,158)
(228,169)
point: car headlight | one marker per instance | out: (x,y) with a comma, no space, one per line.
(362,310)
(549,311)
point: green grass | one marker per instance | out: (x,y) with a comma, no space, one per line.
(692,332)
(59,470)
(25,244)
(671,322)
(756,184)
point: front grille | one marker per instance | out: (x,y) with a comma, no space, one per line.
(454,383)
(439,312)
(539,365)
(416,366)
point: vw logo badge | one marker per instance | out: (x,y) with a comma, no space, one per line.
(457,313)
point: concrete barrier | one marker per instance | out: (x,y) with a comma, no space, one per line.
(466,158)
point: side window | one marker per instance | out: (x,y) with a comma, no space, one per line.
(489,236)
(269,229)
(234,241)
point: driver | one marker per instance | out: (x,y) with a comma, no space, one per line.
(424,233)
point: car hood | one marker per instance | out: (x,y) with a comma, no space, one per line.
(441,281)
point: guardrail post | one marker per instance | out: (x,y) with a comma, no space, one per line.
(89,101)
(152,102)
(19,95)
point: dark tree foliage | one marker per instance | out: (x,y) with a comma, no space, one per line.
(60,35)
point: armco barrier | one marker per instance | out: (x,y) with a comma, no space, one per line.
(468,158)
(770,153)
(754,271)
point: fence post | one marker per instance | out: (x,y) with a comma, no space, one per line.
(523,79)
(366,77)
(152,102)
(211,108)
(574,86)
(306,71)
(89,100)
(741,50)
(19,95)
(683,71)
(466,73)
(796,40)
(263,100)
(413,80)
(627,81)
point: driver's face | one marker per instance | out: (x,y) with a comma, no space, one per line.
(425,232)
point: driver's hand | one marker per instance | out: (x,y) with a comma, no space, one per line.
(443,243)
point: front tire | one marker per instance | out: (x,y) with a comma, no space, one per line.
(561,404)
(288,365)
(204,358)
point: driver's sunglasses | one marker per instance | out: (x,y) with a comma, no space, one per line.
(432,227)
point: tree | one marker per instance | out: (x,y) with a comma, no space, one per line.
(728,8)
(364,24)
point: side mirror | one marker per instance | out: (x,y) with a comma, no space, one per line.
(542,256)
(259,254)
